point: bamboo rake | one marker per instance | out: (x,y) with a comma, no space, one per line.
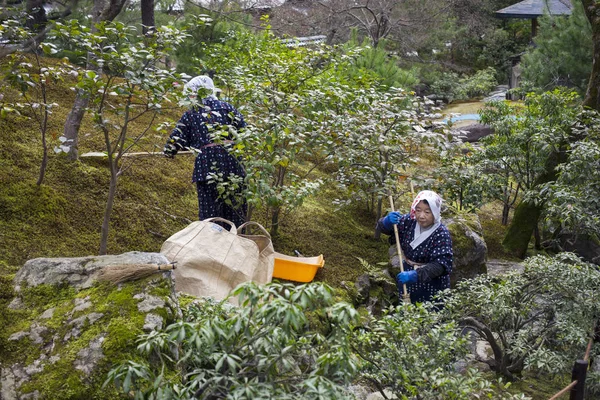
(128,272)
(406,296)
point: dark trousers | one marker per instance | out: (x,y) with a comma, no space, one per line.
(211,205)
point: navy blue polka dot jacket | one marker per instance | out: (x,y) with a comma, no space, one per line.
(436,250)
(193,132)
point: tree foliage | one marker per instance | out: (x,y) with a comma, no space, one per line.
(284,342)
(562,55)
(133,86)
(525,137)
(284,94)
(411,351)
(572,200)
(383,133)
(538,320)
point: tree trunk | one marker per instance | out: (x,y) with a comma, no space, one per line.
(505,213)
(275,222)
(147,16)
(592,96)
(101,12)
(526,214)
(112,190)
(44,128)
(73,123)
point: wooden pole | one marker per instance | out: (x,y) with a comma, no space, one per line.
(136,154)
(406,296)
(579,373)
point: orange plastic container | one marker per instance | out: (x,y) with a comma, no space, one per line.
(298,269)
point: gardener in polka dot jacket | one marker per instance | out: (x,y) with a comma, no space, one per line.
(193,131)
(426,245)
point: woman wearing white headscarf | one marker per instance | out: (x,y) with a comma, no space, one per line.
(426,245)
(193,132)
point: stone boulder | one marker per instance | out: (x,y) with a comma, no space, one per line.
(66,330)
(585,246)
(473,133)
(468,246)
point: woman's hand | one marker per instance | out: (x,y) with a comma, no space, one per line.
(392,218)
(407,277)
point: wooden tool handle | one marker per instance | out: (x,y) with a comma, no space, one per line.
(399,251)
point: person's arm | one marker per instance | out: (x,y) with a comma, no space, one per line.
(441,261)
(178,140)
(430,271)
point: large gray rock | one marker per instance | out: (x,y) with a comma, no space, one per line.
(78,271)
(473,133)
(584,246)
(67,331)
(470,250)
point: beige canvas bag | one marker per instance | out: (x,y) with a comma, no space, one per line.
(212,261)
(266,258)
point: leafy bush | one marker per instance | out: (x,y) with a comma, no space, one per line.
(571,200)
(459,179)
(539,320)
(295,342)
(453,87)
(525,135)
(284,342)
(412,351)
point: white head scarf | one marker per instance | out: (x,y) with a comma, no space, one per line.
(435,203)
(198,82)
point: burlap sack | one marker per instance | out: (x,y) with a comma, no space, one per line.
(212,261)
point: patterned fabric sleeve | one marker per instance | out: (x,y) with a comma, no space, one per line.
(441,249)
(430,271)
(180,137)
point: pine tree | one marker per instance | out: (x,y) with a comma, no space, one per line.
(562,55)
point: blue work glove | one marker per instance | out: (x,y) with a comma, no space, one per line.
(391,219)
(407,277)
(170,150)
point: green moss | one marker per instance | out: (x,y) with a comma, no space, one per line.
(36,203)
(349,294)
(185,300)
(461,243)
(539,387)
(120,326)
(44,296)
(490,217)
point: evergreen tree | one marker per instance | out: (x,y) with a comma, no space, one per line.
(380,66)
(562,55)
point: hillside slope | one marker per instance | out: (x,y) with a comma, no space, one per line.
(155,198)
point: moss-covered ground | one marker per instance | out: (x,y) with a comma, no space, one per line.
(118,326)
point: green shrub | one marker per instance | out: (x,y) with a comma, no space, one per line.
(453,87)
(284,342)
(539,320)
